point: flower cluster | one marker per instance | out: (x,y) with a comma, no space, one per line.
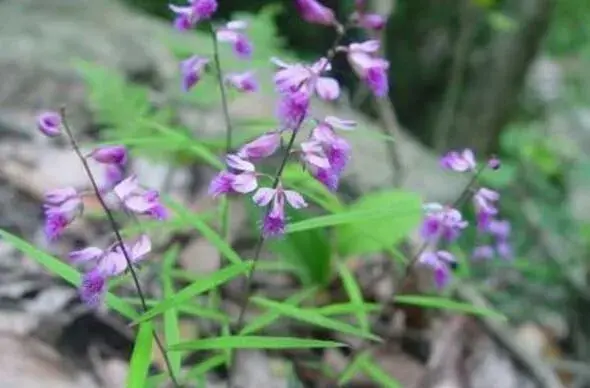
(443,224)
(64,205)
(324,153)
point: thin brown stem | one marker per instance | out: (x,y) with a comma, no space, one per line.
(118,236)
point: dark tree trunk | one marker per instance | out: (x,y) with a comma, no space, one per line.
(455,78)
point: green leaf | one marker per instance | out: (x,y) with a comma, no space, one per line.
(355,294)
(171,323)
(203,367)
(268,318)
(378,221)
(295,178)
(347,308)
(141,357)
(211,235)
(196,310)
(352,368)
(377,374)
(255,342)
(214,280)
(446,304)
(65,271)
(312,317)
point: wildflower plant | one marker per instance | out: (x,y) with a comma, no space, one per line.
(313,154)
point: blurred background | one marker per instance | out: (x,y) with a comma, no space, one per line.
(502,77)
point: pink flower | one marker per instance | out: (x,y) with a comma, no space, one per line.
(49,123)
(243,82)
(188,16)
(442,222)
(485,252)
(85,254)
(274,221)
(494,163)
(232,33)
(139,200)
(93,288)
(240,179)
(459,161)
(484,201)
(293,108)
(292,77)
(114,263)
(261,147)
(116,155)
(370,69)
(372,21)
(191,70)
(313,155)
(113,174)
(442,262)
(313,12)
(61,209)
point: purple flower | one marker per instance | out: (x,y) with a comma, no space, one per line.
(459,161)
(494,163)
(139,200)
(441,262)
(93,288)
(57,197)
(261,147)
(504,250)
(274,221)
(372,21)
(313,12)
(292,77)
(241,179)
(313,155)
(116,155)
(86,254)
(442,222)
(114,263)
(191,70)
(49,123)
(485,252)
(60,210)
(484,201)
(243,82)
(293,108)
(499,229)
(114,174)
(370,69)
(188,16)
(232,33)
(327,177)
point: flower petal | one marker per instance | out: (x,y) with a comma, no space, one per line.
(263,196)
(245,183)
(295,199)
(327,88)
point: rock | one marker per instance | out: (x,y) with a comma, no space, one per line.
(25,363)
(42,39)
(253,370)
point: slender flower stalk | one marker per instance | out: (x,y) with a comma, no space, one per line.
(228,124)
(120,243)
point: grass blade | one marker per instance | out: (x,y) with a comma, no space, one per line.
(268,318)
(214,280)
(356,297)
(312,317)
(171,322)
(378,375)
(255,342)
(141,357)
(447,304)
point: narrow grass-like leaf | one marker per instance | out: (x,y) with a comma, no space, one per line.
(255,342)
(352,369)
(347,308)
(205,366)
(268,318)
(351,217)
(447,304)
(211,235)
(355,294)
(377,374)
(65,271)
(171,322)
(141,357)
(197,311)
(214,280)
(312,317)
